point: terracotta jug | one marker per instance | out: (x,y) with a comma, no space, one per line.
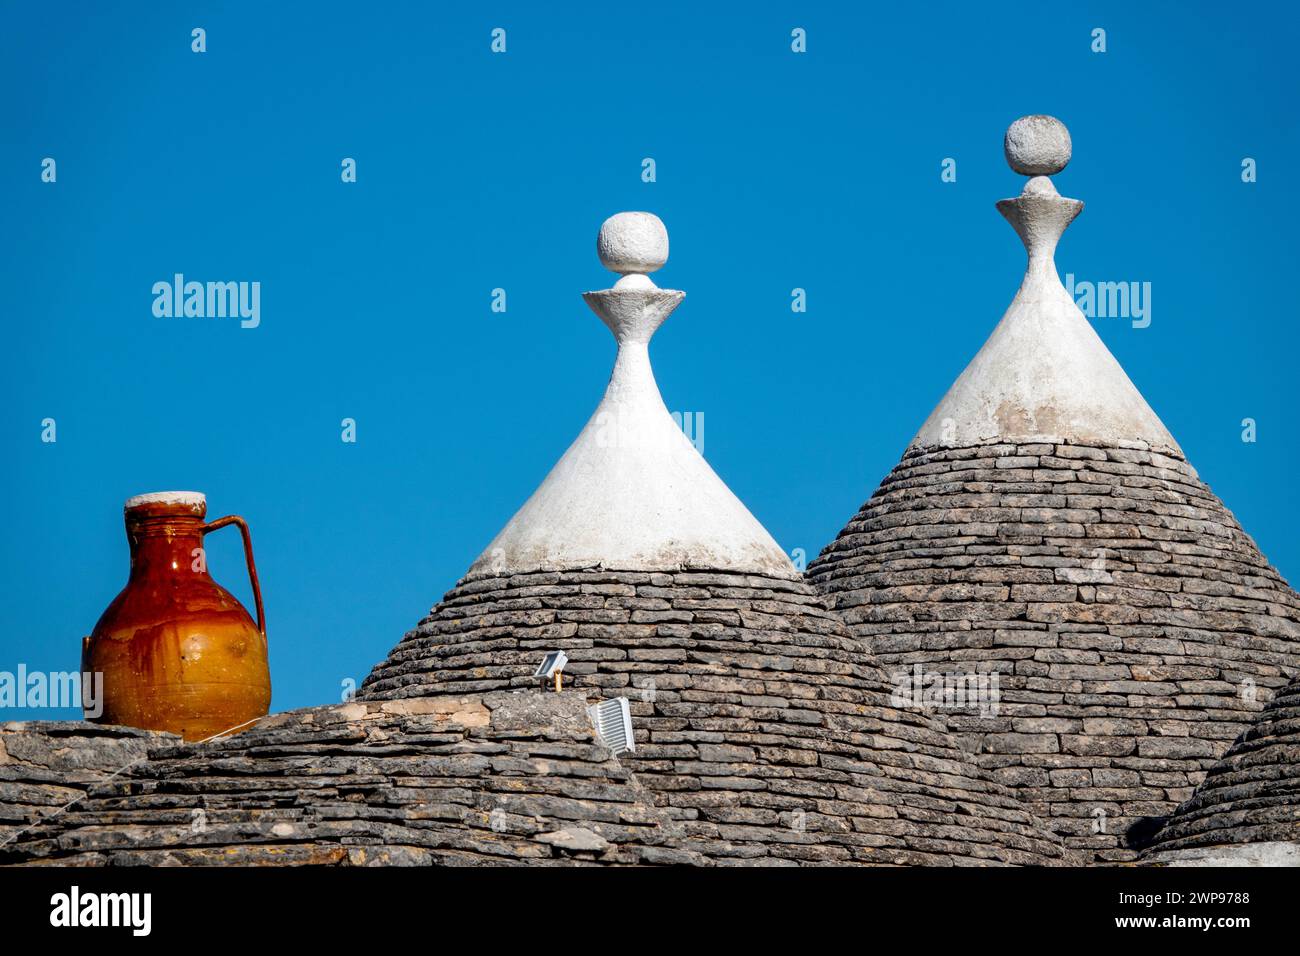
(177,651)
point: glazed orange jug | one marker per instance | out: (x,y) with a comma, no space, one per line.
(178,652)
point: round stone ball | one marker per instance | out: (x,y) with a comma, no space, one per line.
(632,242)
(1037,145)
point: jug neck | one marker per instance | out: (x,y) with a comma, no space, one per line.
(165,544)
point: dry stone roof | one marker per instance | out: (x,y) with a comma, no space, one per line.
(48,765)
(491,779)
(1043,526)
(1247,810)
(762,727)
(1126,613)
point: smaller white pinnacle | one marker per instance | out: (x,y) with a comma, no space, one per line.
(633,492)
(1037,145)
(633,244)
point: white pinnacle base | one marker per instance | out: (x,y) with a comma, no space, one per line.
(632,493)
(1044,375)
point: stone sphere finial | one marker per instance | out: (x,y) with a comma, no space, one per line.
(632,243)
(1037,145)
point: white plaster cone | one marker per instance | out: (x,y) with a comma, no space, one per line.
(1044,374)
(632,493)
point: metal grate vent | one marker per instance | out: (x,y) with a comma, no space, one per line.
(613,722)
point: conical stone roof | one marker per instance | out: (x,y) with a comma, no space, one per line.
(1247,810)
(761,726)
(1044,526)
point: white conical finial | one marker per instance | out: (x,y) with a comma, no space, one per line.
(1043,375)
(633,493)
(633,244)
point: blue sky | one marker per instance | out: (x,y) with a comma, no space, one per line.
(478,170)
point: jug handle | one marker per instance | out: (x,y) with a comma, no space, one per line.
(248,554)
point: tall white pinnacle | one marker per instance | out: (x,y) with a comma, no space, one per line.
(1044,374)
(632,492)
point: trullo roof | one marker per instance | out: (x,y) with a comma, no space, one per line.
(1043,525)
(1247,810)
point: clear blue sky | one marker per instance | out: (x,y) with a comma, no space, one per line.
(478,171)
